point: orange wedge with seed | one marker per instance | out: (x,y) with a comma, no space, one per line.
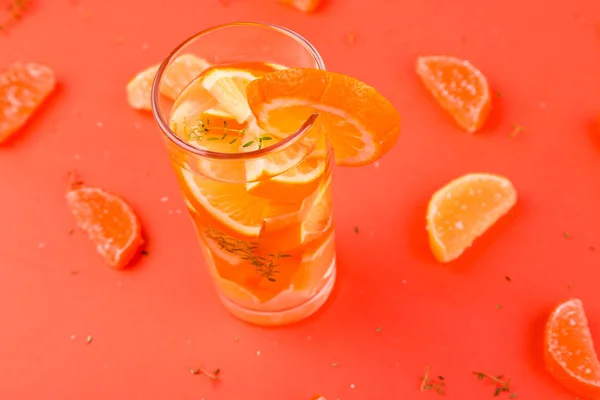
(23,89)
(464,209)
(569,352)
(110,223)
(458,87)
(360,123)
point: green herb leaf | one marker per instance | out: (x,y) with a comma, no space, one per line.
(248,143)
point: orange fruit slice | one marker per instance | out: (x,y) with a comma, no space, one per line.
(233,206)
(320,217)
(569,352)
(360,123)
(303,5)
(23,89)
(228,86)
(458,87)
(183,70)
(464,209)
(110,223)
(140,87)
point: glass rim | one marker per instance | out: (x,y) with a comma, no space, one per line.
(182,144)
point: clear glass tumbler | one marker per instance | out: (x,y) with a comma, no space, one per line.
(262,211)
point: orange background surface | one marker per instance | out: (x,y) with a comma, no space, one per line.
(394,310)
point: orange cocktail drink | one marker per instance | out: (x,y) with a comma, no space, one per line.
(252,148)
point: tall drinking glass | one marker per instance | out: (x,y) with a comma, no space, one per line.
(261,202)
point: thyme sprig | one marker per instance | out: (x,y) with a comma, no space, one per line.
(502,385)
(428,383)
(16,9)
(213,376)
(202,130)
(264,265)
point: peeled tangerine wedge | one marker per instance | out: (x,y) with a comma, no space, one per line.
(303,5)
(464,209)
(178,75)
(458,87)
(110,223)
(569,352)
(360,123)
(23,89)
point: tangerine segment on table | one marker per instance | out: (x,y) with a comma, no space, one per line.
(569,352)
(23,89)
(303,5)
(464,209)
(183,70)
(458,87)
(110,223)
(360,123)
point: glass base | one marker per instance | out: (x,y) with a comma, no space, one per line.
(284,317)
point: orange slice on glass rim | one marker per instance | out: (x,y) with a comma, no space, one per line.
(360,123)
(23,89)
(458,87)
(569,352)
(464,209)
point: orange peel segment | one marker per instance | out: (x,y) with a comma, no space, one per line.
(464,209)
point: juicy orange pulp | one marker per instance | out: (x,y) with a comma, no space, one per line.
(265,223)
